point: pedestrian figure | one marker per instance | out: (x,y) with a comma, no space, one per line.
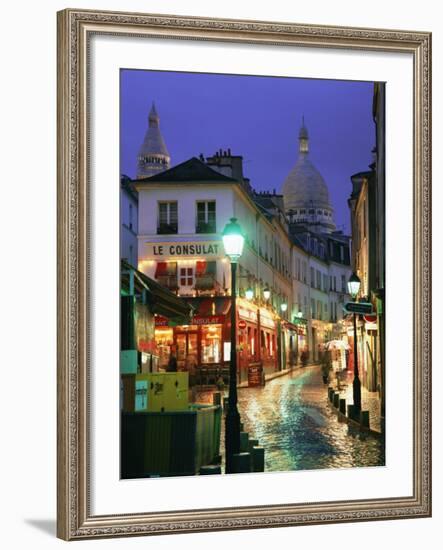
(172,364)
(320,354)
(304,358)
(191,367)
(220,383)
(326,366)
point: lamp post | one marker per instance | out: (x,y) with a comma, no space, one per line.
(353,288)
(266,293)
(233,241)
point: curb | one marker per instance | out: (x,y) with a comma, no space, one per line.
(343,418)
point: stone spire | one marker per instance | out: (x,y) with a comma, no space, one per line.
(303,138)
(153,156)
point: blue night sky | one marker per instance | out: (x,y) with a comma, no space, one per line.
(256,117)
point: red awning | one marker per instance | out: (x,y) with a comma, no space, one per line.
(200,268)
(164,269)
(161,269)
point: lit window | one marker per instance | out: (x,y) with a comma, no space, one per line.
(186,276)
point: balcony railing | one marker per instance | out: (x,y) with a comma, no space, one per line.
(167,229)
(205,282)
(204,227)
(168,281)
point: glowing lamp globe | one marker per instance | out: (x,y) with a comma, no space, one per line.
(300,314)
(353,285)
(233,240)
(266,293)
(249,293)
(284,307)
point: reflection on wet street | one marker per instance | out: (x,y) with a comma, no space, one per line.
(292,420)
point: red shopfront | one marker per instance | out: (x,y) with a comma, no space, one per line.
(257,339)
(200,344)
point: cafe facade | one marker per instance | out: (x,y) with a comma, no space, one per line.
(182,213)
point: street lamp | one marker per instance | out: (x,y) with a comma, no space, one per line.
(233,241)
(300,314)
(249,293)
(266,293)
(353,288)
(284,307)
(354,285)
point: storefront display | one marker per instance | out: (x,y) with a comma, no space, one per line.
(211,344)
(205,344)
(164,339)
(196,345)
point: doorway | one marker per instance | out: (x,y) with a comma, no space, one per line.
(187,343)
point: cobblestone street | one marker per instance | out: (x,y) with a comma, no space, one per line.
(292,420)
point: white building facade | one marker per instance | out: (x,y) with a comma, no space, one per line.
(182,213)
(128,222)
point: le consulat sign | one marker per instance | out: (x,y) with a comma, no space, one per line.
(185,249)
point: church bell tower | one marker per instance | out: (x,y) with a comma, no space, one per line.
(153,156)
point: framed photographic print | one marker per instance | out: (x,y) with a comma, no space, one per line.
(243,274)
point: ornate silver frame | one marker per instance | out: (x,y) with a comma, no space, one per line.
(74,518)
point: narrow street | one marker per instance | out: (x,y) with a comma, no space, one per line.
(292,420)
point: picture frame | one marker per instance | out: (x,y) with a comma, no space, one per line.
(75,516)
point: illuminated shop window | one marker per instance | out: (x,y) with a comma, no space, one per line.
(164,339)
(211,343)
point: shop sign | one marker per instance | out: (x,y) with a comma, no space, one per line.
(161,321)
(247,314)
(208,319)
(242,324)
(185,249)
(147,347)
(141,395)
(266,320)
(255,375)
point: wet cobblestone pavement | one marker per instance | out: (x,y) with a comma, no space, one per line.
(299,430)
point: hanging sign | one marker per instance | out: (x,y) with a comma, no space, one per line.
(358,307)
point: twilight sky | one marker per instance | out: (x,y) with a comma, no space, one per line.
(256,117)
